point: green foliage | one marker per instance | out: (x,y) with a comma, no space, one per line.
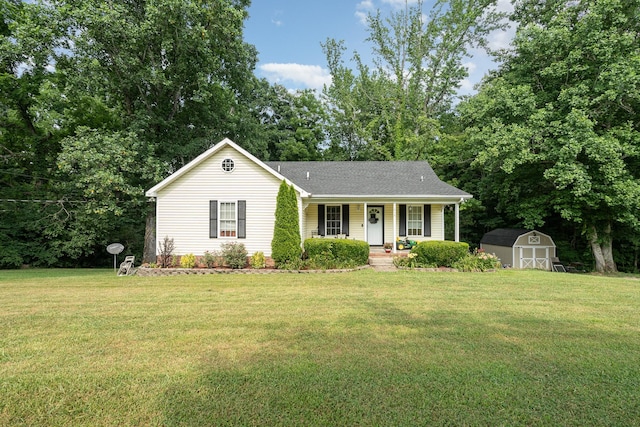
(439,253)
(285,245)
(188,261)
(234,254)
(211,259)
(336,253)
(477,261)
(390,111)
(556,129)
(258,260)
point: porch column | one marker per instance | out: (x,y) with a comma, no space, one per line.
(365,224)
(457,226)
(395,232)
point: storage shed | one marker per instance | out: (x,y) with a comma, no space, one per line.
(520,248)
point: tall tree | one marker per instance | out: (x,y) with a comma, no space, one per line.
(557,124)
(390,110)
(170,74)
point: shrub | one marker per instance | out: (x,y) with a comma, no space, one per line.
(257,260)
(234,254)
(165,249)
(439,253)
(409,261)
(188,261)
(285,245)
(478,261)
(336,253)
(210,259)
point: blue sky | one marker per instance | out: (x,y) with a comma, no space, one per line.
(288,34)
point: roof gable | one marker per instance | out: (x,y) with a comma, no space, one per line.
(153,192)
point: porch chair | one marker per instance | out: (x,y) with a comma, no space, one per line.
(126,267)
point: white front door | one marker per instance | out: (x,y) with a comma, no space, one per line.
(375,225)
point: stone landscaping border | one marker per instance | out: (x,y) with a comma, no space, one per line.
(157,272)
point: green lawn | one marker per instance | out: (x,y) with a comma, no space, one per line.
(83,347)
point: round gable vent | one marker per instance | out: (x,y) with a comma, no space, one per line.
(228,165)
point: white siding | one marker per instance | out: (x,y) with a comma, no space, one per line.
(183,206)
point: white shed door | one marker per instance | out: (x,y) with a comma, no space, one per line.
(534,257)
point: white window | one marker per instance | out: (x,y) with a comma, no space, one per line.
(228,219)
(414,220)
(228,165)
(334,220)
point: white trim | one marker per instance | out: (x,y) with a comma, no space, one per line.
(153,191)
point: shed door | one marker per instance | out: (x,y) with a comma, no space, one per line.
(375,225)
(534,257)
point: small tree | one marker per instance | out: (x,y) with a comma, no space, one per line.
(286,243)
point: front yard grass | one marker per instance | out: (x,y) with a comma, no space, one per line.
(84,347)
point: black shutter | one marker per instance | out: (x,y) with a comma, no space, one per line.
(242,219)
(213,219)
(426,216)
(320,220)
(403,220)
(345,219)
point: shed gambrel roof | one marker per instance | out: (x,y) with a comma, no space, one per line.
(503,236)
(367,178)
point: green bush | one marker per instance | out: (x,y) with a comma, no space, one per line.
(439,253)
(188,261)
(234,254)
(211,259)
(336,253)
(285,246)
(258,260)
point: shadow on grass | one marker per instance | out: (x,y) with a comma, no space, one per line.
(445,369)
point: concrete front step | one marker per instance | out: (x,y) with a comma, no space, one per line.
(382,263)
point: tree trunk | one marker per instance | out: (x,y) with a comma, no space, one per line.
(602,248)
(149,252)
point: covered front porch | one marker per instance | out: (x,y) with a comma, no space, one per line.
(379,221)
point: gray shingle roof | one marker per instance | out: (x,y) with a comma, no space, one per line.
(503,236)
(369,178)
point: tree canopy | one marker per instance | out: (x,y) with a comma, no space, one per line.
(557,126)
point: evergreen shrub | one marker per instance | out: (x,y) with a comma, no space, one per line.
(285,245)
(439,253)
(335,253)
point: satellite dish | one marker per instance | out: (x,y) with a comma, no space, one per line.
(115,248)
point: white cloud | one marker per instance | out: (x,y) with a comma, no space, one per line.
(363,9)
(304,76)
(399,3)
(470,66)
